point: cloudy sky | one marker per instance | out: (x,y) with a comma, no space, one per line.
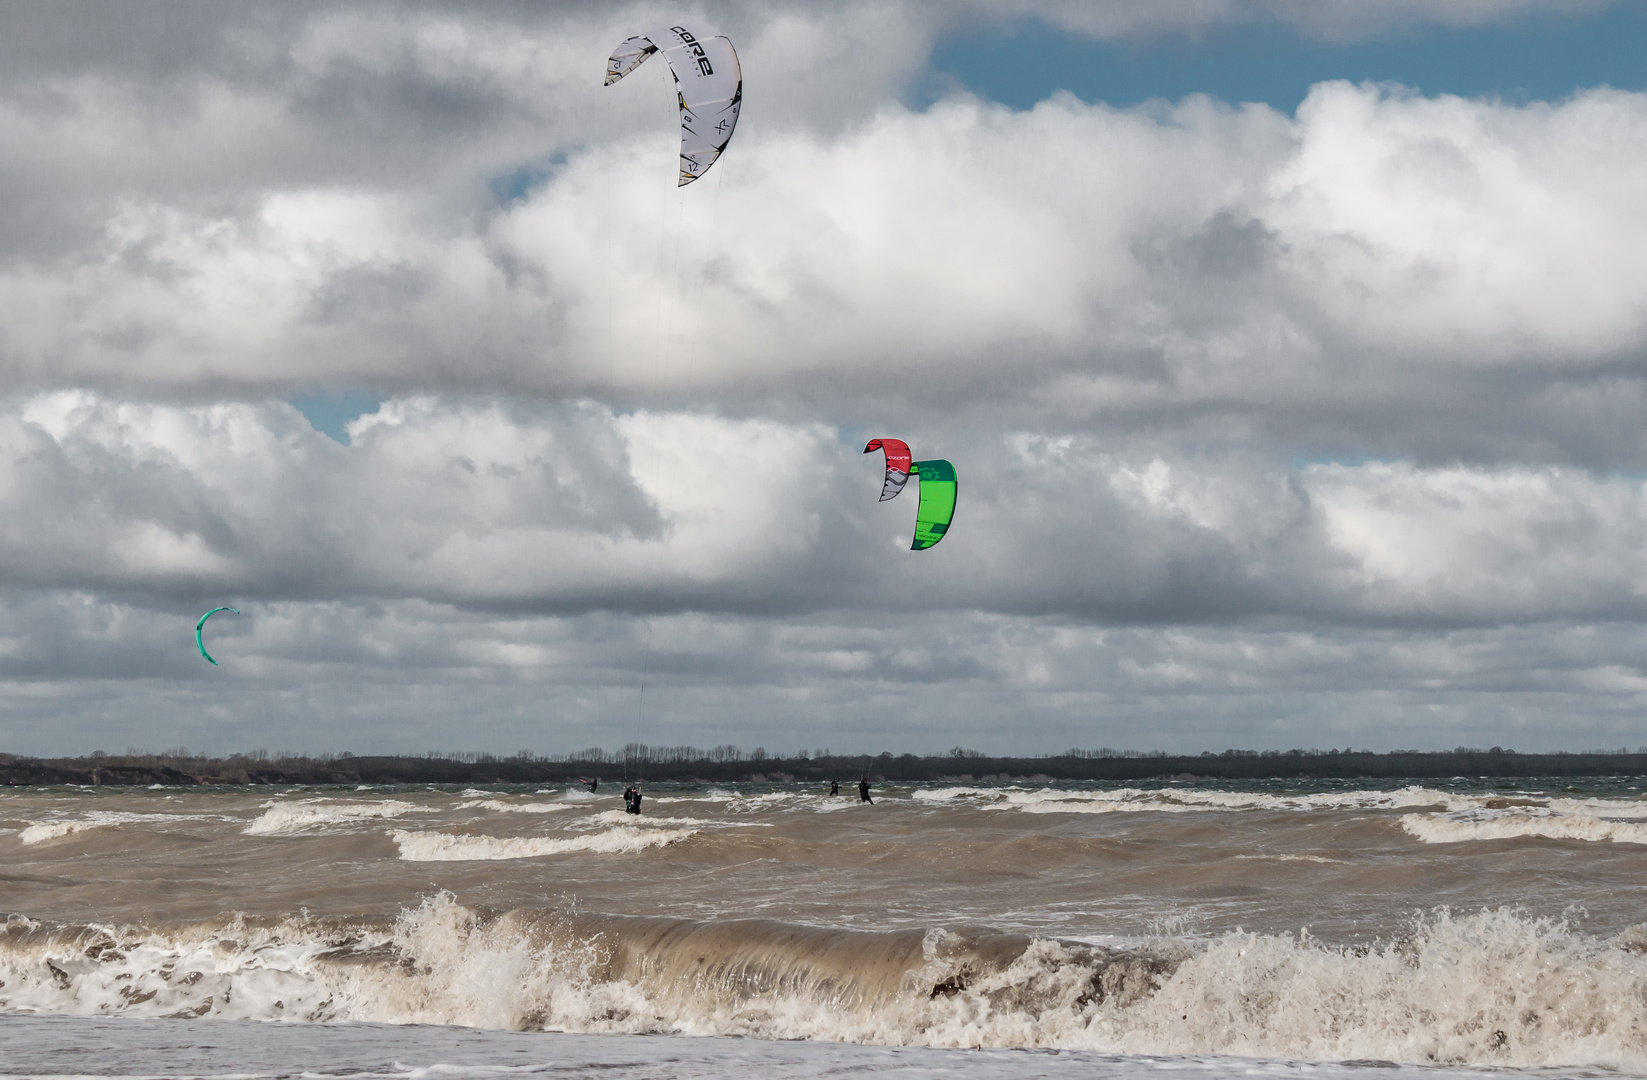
(1292,356)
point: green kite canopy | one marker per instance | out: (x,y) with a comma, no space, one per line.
(937,507)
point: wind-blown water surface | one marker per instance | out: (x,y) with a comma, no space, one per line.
(1467,924)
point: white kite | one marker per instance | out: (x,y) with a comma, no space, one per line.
(708,83)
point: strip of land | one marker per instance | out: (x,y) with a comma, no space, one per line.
(727,765)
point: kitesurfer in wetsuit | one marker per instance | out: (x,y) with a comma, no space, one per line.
(834,788)
(632,799)
(592,783)
(863,791)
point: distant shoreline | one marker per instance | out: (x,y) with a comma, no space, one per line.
(959,767)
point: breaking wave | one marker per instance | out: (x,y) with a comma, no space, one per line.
(461,847)
(1495,988)
(1183,800)
(40,832)
(295,817)
(1453,818)
(1561,820)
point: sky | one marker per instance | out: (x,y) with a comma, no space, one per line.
(1291,355)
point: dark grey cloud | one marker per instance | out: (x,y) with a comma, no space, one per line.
(412,677)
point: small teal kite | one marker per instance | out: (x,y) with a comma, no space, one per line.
(201,645)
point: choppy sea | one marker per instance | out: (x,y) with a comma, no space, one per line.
(987,929)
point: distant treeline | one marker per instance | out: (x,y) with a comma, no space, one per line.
(724,764)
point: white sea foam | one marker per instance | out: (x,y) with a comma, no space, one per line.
(1185,800)
(43,831)
(513,808)
(232,971)
(295,817)
(40,832)
(1457,818)
(1572,822)
(342,1051)
(1617,809)
(462,847)
(1496,988)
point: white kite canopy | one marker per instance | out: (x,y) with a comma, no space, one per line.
(708,82)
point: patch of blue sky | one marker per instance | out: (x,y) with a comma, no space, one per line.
(330,411)
(1541,56)
(518,183)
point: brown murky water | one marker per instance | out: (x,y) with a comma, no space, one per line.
(1471,922)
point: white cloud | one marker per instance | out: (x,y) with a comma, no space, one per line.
(1466,543)
(1428,225)
(1378,255)
(484,503)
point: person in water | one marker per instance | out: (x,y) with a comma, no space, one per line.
(632,799)
(834,788)
(592,783)
(863,791)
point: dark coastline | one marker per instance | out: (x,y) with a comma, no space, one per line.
(182,769)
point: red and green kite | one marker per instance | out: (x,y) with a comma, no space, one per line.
(937,506)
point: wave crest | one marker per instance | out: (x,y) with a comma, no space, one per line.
(1552,823)
(286,817)
(1493,988)
(1185,800)
(42,831)
(462,847)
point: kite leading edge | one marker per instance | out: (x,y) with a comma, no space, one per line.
(201,645)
